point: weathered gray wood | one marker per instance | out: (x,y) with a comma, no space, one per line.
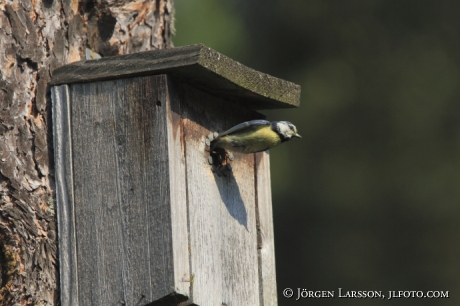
(64,195)
(198,64)
(266,237)
(223,238)
(122,199)
(177,181)
(153,223)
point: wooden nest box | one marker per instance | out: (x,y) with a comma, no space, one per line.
(143,219)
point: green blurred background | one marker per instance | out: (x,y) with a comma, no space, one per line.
(369,198)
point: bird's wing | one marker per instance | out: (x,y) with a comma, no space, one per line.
(243,126)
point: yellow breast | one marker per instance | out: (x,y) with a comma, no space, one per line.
(250,140)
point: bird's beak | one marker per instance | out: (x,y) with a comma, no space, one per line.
(297,135)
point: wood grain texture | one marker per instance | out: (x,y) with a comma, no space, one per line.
(122,199)
(222,220)
(64,195)
(199,65)
(177,181)
(266,239)
(153,224)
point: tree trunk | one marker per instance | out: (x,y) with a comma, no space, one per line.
(35,38)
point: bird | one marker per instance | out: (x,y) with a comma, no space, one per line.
(255,136)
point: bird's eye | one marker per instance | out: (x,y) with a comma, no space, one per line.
(292,127)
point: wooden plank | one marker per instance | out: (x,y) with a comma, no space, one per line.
(177,177)
(122,200)
(266,239)
(199,65)
(222,219)
(144,187)
(64,195)
(95,187)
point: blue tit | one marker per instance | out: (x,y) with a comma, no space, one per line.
(255,136)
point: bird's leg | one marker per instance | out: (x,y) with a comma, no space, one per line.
(215,154)
(229,157)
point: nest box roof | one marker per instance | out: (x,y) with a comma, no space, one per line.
(196,64)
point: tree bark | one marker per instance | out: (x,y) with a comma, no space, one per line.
(35,38)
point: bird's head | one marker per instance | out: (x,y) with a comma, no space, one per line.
(285,129)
